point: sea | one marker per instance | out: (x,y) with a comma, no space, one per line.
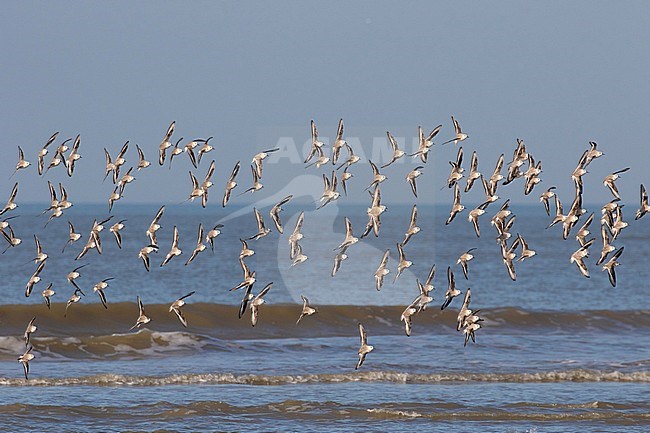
(557,352)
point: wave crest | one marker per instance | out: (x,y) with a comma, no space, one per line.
(578,375)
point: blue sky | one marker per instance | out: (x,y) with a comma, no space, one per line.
(556,74)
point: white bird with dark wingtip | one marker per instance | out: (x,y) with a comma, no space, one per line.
(120,160)
(508,256)
(275,213)
(321,160)
(257,302)
(315,143)
(578,258)
(412,176)
(496,174)
(583,232)
(607,247)
(473,172)
(47,294)
(307,310)
(115,229)
(174,251)
(619,224)
(339,142)
(11,238)
(73,299)
(474,214)
(154,226)
(338,259)
(644,207)
(99,289)
(205,148)
(200,246)
(74,156)
(452,291)
(377,177)
(407,318)
(402,264)
(471,328)
(456,206)
(24,359)
(532,175)
(262,230)
(423,299)
(5,222)
(126,179)
(526,252)
(40,255)
(382,270)
(519,157)
(374,213)
(249,277)
(413,228)
(43,152)
(464,311)
(64,203)
(592,153)
(31,328)
(457,170)
(189,149)
(257,185)
(397,152)
(142,161)
(296,235)
(350,239)
(545,197)
(329,191)
(463,259)
(115,196)
(165,144)
(345,176)
(94,240)
(176,150)
(197,190)
(258,158)
(176,308)
(299,257)
(143,319)
(22,162)
(110,166)
(34,279)
(245,251)
(503,228)
(611,265)
(144,254)
(365,348)
(230,185)
(212,235)
(74,274)
(559,215)
(54,202)
(611,178)
(580,171)
(352,158)
(58,157)
(11,203)
(424,144)
(460,135)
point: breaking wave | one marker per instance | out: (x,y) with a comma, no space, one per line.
(578,375)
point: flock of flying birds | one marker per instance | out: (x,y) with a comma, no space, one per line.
(468,320)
